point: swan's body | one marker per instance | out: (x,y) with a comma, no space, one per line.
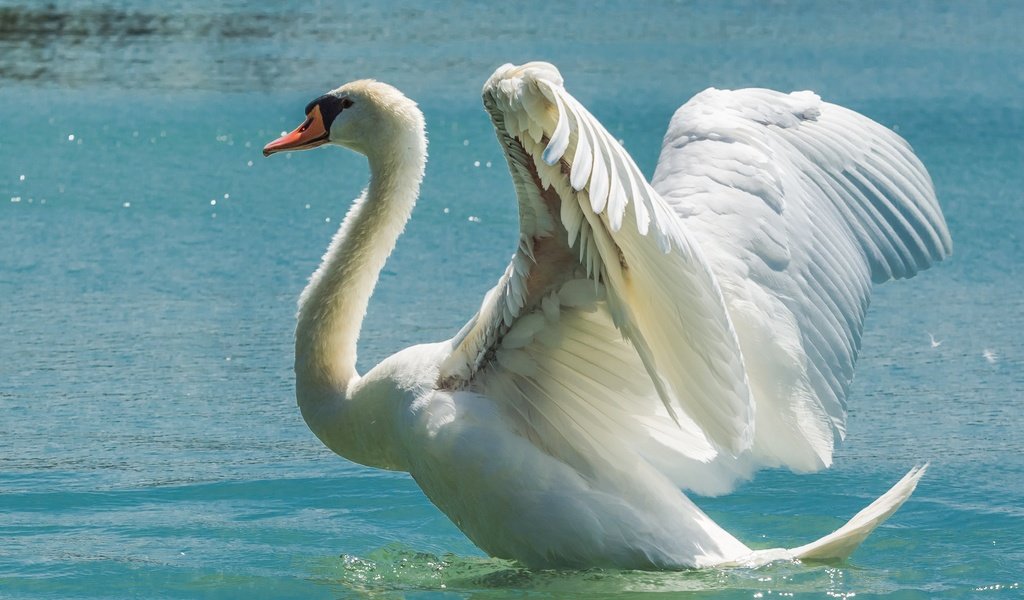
(644,338)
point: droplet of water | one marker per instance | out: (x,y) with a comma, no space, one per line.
(476,163)
(249,164)
(213,203)
(21,178)
(446,210)
(127,204)
(71,137)
(465,142)
(327,220)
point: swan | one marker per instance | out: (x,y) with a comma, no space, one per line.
(646,339)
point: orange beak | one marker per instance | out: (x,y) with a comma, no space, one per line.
(308,135)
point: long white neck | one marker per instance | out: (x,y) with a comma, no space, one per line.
(332,307)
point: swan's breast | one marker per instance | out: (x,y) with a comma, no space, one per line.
(515,500)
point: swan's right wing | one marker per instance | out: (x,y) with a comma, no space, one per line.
(608,334)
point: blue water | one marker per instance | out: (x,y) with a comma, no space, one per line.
(150,259)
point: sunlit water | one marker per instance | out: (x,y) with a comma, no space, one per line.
(150,259)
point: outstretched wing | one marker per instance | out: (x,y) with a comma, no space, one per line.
(608,329)
(798,206)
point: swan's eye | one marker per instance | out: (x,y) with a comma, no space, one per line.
(346,103)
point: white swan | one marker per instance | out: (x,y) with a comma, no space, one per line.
(644,338)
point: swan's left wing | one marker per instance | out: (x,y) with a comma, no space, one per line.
(799,206)
(608,319)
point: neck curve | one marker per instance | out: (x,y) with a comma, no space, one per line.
(332,307)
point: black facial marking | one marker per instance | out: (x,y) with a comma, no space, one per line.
(309,107)
(330,107)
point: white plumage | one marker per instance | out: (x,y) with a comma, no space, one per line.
(644,337)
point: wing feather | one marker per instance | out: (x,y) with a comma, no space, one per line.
(684,342)
(843,199)
(714,327)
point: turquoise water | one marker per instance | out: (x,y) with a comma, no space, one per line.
(150,259)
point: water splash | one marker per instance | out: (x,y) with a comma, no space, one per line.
(400,570)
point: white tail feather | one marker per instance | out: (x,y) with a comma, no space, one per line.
(839,544)
(842,542)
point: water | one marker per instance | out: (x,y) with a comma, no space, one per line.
(150,259)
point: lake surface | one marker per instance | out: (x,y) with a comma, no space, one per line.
(150,260)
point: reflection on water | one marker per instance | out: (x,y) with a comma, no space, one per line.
(238,45)
(146,45)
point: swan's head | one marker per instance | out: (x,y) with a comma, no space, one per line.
(363,115)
